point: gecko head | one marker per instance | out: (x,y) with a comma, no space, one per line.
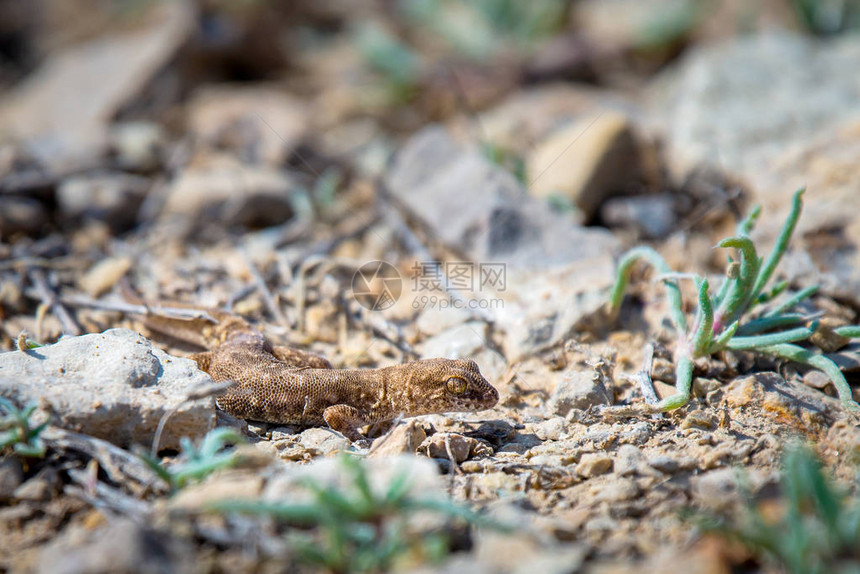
(450,385)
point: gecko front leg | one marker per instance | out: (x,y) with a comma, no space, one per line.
(345,420)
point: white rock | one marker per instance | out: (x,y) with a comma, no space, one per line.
(114,385)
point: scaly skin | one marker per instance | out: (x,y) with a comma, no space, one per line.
(290,386)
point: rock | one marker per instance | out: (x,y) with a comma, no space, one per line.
(652,216)
(495,221)
(843,438)
(587,161)
(467,341)
(817,380)
(93,80)
(11,477)
(539,275)
(637,24)
(525,550)
(640,433)
(231,193)
(262,121)
(433,321)
(826,338)
(791,90)
(825,248)
(101,277)
(24,215)
(543,307)
(629,460)
(120,546)
(552,429)
(114,385)
(617,490)
(457,342)
(284,433)
(448,445)
(593,464)
(424,480)
(324,441)
(773,397)
(715,488)
(531,113)
(138,146)
(665,464)
(40,488)
(229,485)
(497,432)
(404,438)
(110,197)
(848,358)
(577,389)
(699,419)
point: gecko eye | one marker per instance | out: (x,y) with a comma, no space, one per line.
(456,385)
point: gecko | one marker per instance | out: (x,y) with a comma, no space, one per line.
(285,385)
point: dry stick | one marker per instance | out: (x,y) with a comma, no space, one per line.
(301,280)
(643,379)
(414,245)
(238,296)
(200,391)
(135,309)
(379,326)
(106,497)
(265,293)
(454,466)
(28,262)
(117,463)
(383,328)
(324,246)
(46,293)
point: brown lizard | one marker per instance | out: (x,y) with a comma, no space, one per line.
(284,385)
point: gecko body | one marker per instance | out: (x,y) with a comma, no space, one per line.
(289,386)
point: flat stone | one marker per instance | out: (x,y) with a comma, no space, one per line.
(93,80)
(240,118)
(404,438)
(587,161)
(653,216)
(324,441)
(699,419)
(40,488)
(593,464)
(230,192)
(552,429)
(231,485)
(424,480)
(481,210)
(112,197)
(114,385)
(577,389)
(438,445)
(744,102)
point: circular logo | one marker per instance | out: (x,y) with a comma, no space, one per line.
(376,285)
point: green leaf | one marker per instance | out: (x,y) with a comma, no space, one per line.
(672,291)
(781,242)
